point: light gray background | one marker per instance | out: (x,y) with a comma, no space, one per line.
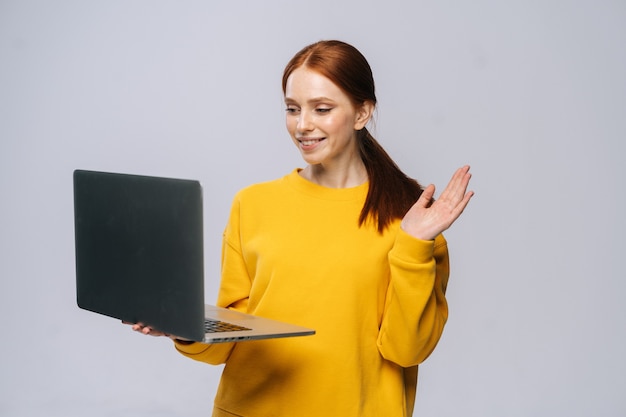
(531,93)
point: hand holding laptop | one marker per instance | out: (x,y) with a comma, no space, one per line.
(147,330)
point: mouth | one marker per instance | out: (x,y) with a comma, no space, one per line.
(309,142)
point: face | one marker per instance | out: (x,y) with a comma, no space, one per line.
(322,120)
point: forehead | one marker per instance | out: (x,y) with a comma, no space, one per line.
(305,84)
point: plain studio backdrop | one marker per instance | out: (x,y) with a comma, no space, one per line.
(532,94)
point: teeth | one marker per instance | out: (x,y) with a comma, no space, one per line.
(308,142)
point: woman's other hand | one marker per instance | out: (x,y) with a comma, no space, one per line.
(425,220)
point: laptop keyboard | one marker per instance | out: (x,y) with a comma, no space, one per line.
(216,326)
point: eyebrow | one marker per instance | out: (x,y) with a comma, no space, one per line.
(313,100)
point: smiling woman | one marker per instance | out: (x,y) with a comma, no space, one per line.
(348,246)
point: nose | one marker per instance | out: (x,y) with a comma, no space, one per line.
(304,122)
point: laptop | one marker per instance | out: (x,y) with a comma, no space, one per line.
(140,259)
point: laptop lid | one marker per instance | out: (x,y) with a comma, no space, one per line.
(139,250)
(139,258)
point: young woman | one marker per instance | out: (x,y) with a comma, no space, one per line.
(348,246)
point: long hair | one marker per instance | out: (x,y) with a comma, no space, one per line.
(391,193)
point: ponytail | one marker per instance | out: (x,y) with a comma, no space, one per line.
(391,193)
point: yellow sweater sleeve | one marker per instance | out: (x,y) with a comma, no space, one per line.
(415,308)
(214,354)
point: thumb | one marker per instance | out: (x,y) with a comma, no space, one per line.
(427,196)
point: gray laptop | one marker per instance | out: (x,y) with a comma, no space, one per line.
(140,259)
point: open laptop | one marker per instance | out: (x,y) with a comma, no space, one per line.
(140,259)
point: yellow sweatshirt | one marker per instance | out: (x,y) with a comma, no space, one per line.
(293,251)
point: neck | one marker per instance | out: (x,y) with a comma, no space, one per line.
(351,176)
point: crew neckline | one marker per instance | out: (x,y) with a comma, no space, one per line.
(319,191)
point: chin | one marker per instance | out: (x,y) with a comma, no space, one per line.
(311,161)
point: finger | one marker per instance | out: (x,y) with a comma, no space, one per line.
(459,208)
(426,196)
(457,187)
(467,198)
(153,332)
(460,178)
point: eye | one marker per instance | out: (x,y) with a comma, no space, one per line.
(323,109)
(292,110)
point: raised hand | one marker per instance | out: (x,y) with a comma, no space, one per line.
(425,221)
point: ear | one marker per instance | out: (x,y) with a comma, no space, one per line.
(363,115)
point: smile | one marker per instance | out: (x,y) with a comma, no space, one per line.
(309,142)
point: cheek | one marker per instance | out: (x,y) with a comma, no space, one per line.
(338,124)
(290,124)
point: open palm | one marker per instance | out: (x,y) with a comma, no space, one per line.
(425,220)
